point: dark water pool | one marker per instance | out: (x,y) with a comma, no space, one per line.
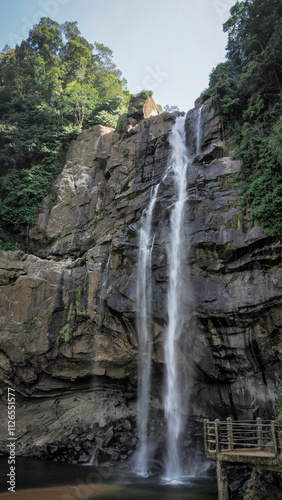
(117,485)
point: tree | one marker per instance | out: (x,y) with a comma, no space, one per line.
(170,109)
(246,91)
(79,101)
(223,90)
(51,86)
(46,40)
(103,58)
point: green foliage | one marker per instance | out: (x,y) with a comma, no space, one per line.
(79,100)
(279,406)
(171,109)
(7,241)
(91,242)
(107,119)
(66,331)
(246,92)
(24,190)
(279,395)
(51,86)
(223,90)
(102,163)
(277,139)
(146,93)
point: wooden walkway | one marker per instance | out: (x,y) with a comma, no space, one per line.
(255,443)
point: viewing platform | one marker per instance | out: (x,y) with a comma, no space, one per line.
(256,443)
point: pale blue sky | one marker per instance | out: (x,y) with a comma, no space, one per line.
(168,46)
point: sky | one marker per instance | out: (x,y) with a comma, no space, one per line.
(167,46)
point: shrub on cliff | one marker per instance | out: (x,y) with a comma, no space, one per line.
(247,92)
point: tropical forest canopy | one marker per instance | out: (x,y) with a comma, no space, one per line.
(51,86)
(247,92)
(56,83)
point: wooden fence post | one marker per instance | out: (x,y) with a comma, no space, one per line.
(217,435)
(206,436)
(274,437)
(222,481)
(230,434)
(259,434)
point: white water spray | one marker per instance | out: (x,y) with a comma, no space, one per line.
(173,403)
(144,292)
(177,168)
(199,130)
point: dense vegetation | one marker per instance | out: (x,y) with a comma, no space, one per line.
(51,86)
(247,92)
(56,83)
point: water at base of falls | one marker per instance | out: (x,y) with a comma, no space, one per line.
(45,480)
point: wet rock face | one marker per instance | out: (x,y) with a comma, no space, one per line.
(68,312)
(208,131)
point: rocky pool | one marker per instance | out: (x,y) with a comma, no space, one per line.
(42,480)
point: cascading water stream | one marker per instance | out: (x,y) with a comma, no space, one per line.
(172,402)
(199,130)
(144,284)
(177,168)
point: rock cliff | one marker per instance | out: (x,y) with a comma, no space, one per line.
(68,339)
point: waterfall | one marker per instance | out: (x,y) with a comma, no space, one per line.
(198,130)
(177,169)
(173,400)
(144,284)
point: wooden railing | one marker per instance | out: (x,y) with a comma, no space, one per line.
(257,443)
(253,438)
